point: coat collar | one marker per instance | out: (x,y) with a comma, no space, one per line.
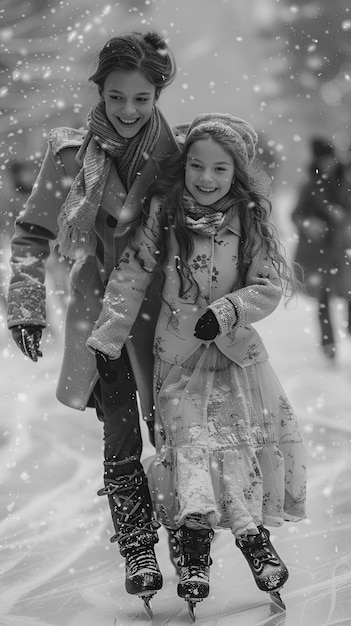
(126,207)
(234,225)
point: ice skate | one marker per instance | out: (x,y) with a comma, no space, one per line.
(194,566)
(174,547)
(269,571)
(136,534)
(143,575)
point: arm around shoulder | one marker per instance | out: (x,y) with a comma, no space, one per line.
(126,289)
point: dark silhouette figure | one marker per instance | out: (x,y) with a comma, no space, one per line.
(323,216)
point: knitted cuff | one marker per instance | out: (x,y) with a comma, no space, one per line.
(225,313)
(103,345)
(26,305)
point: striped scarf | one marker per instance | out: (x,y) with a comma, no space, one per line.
(207,220)
(101,146)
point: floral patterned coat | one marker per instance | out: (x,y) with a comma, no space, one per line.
(214,265)
(36,230)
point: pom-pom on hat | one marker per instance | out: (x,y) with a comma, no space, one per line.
(242,133)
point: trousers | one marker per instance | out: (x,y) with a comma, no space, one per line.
(116,407)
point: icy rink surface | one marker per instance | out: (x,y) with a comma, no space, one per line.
(57,565)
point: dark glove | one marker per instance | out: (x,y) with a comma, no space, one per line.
(207,326)
(27,338)
(151,428)
(107,368)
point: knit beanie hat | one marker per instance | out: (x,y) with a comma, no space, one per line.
(242,134)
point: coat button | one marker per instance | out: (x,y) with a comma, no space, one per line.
(111,221)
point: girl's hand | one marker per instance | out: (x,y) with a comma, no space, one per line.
(207,327)
(27,338)
(107,368)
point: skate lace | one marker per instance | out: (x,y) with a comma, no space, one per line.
(263,555)
(142,560)
(191,570)
(194,571)
(128,502)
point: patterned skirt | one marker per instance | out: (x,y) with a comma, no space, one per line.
(228,445)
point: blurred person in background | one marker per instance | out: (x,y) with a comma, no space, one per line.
(322,217)
(86,199)
(344,244)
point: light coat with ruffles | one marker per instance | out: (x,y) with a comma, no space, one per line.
(214,265)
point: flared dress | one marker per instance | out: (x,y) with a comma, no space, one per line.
(228,445)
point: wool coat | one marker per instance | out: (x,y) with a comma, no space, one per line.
(214,265)
(35,232)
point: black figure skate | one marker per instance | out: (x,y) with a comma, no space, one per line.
(136,534)
(269,571)
(174,547)
(194,566)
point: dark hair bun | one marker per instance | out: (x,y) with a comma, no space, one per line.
(155,40)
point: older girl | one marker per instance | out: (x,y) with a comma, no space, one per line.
(229,450)
(87,197)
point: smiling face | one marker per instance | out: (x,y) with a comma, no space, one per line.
(209,171)
(129,98)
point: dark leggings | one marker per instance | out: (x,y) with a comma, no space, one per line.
(325,321)
(116,406)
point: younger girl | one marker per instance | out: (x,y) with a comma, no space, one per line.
(229,450)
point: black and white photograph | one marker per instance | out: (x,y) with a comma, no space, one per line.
(175,313)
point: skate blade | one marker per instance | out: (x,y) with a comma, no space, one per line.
(148,607)
(191,610)
(146,598)
(277,599)
(192,606)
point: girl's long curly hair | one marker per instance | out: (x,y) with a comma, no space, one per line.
(250,195)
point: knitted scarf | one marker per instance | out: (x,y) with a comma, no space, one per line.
(207,220)
(76,220)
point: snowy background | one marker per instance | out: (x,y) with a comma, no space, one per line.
(286,68)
